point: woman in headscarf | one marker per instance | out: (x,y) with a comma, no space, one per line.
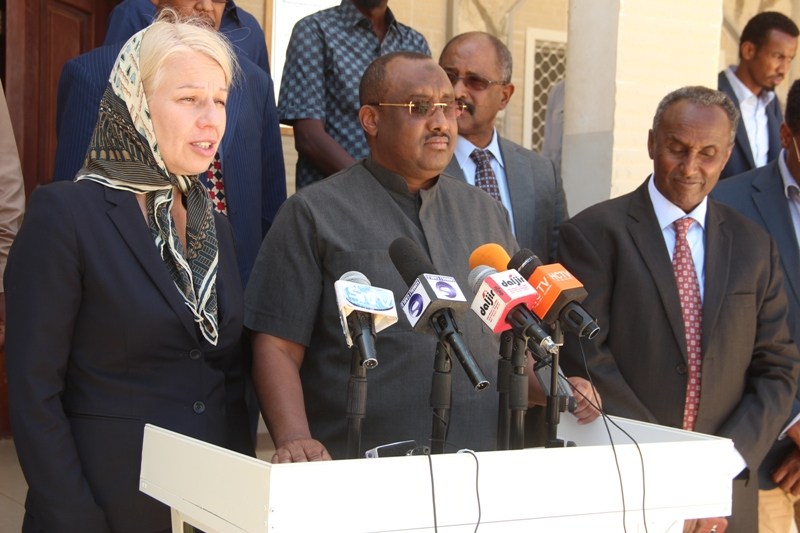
(123,297)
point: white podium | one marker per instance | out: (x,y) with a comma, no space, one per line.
(686,475)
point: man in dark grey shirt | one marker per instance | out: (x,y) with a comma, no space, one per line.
(347,222)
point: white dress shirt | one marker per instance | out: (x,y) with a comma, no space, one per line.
(667,213)
(753,109)
(464,148)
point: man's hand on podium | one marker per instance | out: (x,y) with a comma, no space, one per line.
(705,525)
(587,399)
(787,475)
(300,450)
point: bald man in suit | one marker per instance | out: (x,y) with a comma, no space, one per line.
(528,184)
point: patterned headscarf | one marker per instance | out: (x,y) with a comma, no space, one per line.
(123,154)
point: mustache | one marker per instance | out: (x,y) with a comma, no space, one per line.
(438,134)
(469,107)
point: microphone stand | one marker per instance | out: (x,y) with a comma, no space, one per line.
(503,379)
(555,402)
(441,396)
(518,392)
(356,403)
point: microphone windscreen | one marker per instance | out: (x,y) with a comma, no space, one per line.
(354,276)
(490,254)
(477,275)
(525,262)
(409,260)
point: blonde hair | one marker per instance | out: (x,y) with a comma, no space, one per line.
(172,34)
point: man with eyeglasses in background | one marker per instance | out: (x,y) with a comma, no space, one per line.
(528,184)
(328,52)
(301,364)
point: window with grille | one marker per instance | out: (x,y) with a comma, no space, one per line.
(545,64)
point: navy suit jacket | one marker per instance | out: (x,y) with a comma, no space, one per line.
(759,195)
(239,26)
(537,197)
(251,150)
(101,343)
(741,159)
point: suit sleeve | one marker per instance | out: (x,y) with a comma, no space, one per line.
(560,214)
(579,255)
(76,116)
(274,187)
(43,295)
(772,375)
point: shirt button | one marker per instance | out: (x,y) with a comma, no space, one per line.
(681,368)
(195,354)
(199,407)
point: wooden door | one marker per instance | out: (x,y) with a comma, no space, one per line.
(40,36)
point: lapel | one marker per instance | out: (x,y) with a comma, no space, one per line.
(232,108)
(742,141)
(718,251)
(126,216)
(647,238)
(774,119)
(770,201)
(519,178)
(454,170)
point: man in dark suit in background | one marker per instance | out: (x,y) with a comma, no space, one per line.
(479,67)
(690,298)
(251,155)
(239,26)
(766,49)
(770,196)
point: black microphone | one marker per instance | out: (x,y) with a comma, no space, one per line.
(430,302)
(561,294)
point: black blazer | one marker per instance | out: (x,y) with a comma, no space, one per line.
(99,343)
(759,195)
(638,360)
(741,159)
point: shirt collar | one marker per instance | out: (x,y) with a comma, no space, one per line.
(388,179)
(231,11)
(786,174)
(741,90)
(667,212)
(353,17)
(464,148)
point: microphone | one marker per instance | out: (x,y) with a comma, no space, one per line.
(430,302)
(363,311)
(503,301)
(561,294)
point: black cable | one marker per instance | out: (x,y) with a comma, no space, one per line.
(477,489)
(433,495)
(606,420)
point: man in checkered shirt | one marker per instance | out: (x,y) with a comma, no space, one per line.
(328,52)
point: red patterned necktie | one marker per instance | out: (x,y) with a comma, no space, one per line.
(484,175)
(692,309)
(216,188)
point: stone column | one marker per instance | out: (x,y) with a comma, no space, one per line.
(624,56)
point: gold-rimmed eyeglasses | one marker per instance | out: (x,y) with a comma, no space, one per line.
(427,109)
